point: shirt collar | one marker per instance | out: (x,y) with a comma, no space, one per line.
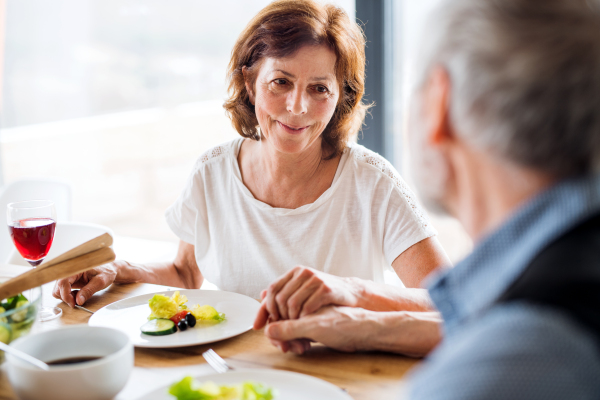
(479,280)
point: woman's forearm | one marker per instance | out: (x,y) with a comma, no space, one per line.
(412,266)
(183,272)
(163,273)
(380,297)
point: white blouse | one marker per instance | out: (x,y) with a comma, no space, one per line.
(356,228)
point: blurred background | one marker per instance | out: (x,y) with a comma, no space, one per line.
(119,97)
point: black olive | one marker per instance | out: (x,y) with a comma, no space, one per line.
(191,320)
(182,325)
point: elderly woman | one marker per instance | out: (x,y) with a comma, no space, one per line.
(294,189)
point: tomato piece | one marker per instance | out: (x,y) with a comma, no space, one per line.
(179,316)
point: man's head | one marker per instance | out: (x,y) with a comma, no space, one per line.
(518,79)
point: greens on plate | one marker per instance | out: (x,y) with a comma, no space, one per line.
(170,313)
(190,389)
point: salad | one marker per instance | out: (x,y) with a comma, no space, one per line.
(170,313)
(16,318)
(190,389)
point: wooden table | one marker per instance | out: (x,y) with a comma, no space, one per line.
(366,376)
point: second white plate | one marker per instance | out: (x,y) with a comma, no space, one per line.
(289,385)
(128,315)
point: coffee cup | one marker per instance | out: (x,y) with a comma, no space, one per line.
(86,362)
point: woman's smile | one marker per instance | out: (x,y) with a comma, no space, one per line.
(292,129)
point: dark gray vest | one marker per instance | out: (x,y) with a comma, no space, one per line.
(566,276)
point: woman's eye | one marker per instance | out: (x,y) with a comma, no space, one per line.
(321,89)
(280,81)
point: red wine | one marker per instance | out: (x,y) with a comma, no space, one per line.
(33,238)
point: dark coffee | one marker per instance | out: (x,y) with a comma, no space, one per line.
(72,360)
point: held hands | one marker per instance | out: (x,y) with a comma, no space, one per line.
(346,314)
(90,282)
(303,291)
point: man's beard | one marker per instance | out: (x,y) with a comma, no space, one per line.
(429,169)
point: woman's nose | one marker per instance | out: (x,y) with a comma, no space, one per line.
(296,102)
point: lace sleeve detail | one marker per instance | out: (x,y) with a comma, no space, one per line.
(368,157)
(213,153)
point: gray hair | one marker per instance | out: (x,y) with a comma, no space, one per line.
(525,79)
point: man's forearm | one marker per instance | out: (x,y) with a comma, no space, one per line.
(413,334)
(355,329)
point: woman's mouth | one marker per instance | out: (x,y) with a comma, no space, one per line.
(292,129)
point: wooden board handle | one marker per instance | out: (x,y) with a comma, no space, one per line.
(39,276)
(104,240)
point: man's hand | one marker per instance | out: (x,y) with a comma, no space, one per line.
(341,328)
(90,282)
(303,291)
(355,329)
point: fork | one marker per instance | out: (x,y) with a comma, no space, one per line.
(216,362)
(83,309)
(74,294)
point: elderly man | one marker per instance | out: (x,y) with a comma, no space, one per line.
(505,136)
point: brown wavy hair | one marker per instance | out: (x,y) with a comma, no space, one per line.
(279,30)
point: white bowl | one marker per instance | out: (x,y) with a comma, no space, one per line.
(99,379)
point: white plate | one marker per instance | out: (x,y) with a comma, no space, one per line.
(128,315)
(289,385)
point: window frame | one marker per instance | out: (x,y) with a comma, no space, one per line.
(376,18)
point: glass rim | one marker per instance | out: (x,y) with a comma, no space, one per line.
(24,204)
(36,301)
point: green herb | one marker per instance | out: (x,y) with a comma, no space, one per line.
(13,302)
(190,389)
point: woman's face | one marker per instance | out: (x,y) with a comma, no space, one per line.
(295,97)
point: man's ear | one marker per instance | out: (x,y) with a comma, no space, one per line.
(249,88)
(437,106)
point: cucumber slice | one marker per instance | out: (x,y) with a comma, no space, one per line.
(20,316)
(159,327)
(5,333)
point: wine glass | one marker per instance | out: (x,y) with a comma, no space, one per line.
(31,225)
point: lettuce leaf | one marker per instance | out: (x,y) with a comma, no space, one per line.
(11,302)
(179,299)
(190,389)
(256,391)
(207,313)
(162,307)
(165,307)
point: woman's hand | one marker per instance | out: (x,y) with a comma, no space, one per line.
(303,291)
(355,329)
(89,282)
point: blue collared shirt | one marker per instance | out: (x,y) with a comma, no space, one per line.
(513,350)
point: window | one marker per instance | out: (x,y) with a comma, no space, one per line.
(119,97)
(411,22)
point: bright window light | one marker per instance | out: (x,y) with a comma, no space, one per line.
(119,98)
